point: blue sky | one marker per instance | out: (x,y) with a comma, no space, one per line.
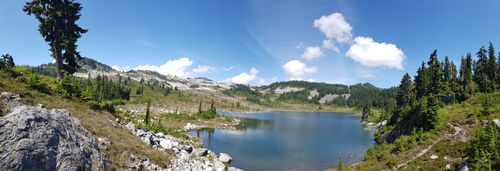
(261,41)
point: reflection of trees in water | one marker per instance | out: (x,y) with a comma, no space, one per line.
(208,131)
(250,123)
(246,123)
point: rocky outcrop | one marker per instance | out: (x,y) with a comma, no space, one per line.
(186,156)
(34,138)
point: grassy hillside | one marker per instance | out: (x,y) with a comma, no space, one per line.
(101,121)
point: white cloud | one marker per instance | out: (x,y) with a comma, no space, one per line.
(311,80)
(297,69)
(124,69)
(177,67)
(312,53)
(374,54)
(328,44)
(253,71)
(228,68)
(245,78)
(334,26)
(204,69)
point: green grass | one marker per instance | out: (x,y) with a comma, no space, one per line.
(465,115)
(98,123)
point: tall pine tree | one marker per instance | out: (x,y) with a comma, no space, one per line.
(492,68)
(466,84)
(481,71)
(404,98)
(422,81)
(59,29)
(435,74)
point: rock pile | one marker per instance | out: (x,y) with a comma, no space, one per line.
(187,157)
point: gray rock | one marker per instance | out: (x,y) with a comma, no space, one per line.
(226,158)
(34,138)
(463,167)
(200,152)
(187,148)
(233,169)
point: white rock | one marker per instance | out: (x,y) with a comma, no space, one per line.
(233,169)
(166,144)
(226,158)
(448,167)
(497,122)
(219,166)
(184,155)
(434,157)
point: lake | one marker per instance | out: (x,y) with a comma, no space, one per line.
(290,140)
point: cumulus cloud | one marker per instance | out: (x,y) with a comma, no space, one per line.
(369,53)
(204,69)
(328,44)
(178,67)
(121,69)
(334,26)
(245,78)
(297,69)
(312,53)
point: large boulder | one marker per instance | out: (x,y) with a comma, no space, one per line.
(34,138)
(226,158)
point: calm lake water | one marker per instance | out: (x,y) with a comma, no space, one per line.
(290,140)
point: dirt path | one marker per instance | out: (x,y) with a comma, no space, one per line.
(424,151)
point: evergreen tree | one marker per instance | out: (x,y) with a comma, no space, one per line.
(366,112)
(481,71)
(422,81)
(147,116)
(453,83)
(435,74)
(493,72)
(447,74)
(8,61)
(212,107)
(200,110)
(339,163)
(59,29)
(404,98)
(465,78)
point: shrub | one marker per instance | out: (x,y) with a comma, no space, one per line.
(35,82)
(404,143)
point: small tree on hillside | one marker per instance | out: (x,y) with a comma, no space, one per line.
(8,61)
(366,112)
(339,163)
(147,117)
(200,110)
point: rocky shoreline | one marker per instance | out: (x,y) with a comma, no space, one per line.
(187,157)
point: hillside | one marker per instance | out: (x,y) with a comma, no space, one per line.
(444,118)
(288,95)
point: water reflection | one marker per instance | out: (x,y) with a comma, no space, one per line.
(245,123)
(289,140)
